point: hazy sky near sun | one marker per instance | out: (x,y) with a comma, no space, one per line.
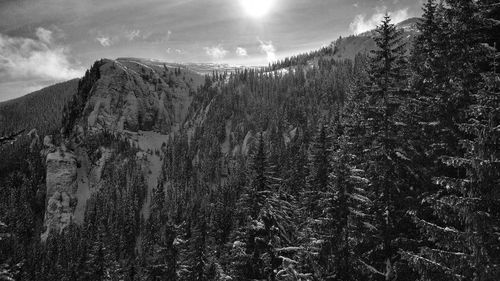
(45,41)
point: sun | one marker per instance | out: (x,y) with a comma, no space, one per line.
(257,8)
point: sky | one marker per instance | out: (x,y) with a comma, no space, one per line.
(47,41)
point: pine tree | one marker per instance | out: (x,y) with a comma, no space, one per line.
(163,262)
(317,180)
(346,222)
(265,222)
(97,262)
(198,252)
(385,149)
(424,59)
(466,247)
(459,233)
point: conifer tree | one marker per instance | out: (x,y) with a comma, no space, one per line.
(346,221)
(466,233)
(385,148)
(424,60)
(265,221)
(317,180)
(198,253)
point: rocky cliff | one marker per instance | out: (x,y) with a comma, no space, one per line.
(126,97)
(61,188)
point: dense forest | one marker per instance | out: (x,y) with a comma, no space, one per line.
(384,167)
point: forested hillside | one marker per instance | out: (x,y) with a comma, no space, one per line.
(41,109)
(381,167)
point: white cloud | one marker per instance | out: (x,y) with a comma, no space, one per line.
(131,35)
(44,35)
(362,24)
(216,52)
(241,52)
(269,49)
(29,59)
(104,41)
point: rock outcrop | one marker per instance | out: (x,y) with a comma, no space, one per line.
(123,96)
(130,96)
(61,188)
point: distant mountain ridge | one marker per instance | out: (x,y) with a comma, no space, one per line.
(20,113)
(199,68)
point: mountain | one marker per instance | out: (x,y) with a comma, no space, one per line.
(344,48)
(143,101)
(42,109)
(199,68)
(317,167)
(148,103)
(349,47)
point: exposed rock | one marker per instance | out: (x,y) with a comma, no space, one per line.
(35,139)
(289,136)
(83,193)
(245,149)
(126,97)
(47,141)
(61,189)
(129,96)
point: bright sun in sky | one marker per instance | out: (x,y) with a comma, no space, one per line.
(257,8)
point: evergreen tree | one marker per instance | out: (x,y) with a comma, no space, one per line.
(346,222)
(198,252)
(466,236)
(385,149)
(265,222)
(424,59)
(318,167)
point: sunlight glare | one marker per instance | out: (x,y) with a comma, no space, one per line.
(257,8)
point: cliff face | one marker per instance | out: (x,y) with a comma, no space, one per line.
(61,187)
(130,97)
(126,97)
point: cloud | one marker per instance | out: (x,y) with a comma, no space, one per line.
(241,52)
(362,24)
(178,51)
(216,52)
(269,49)
(104,41)
(30,59)
(44,35)
(131,35)
(156,37)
